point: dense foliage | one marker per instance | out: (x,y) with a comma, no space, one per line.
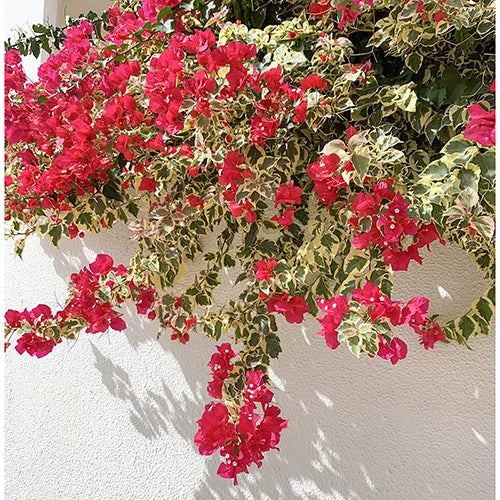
(325,145)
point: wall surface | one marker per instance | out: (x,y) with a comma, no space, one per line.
(112,416)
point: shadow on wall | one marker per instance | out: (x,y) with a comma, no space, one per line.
(358,429)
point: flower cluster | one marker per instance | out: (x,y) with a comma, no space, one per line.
(244,435)
(291,142)
(373,308)
(221,366)
(383,214)
(95,293)
(326,174)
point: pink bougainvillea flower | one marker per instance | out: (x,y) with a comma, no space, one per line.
(230,172)
(320,8)
(364,205)
(400,259)
(350,132)
(73,231)
(264,269)
(348,15)
(313,82)
(371,237)
(215,430)
(13,318)
(394,351)
(334,310)
(145,300)
(430,333)
(255,390)
(147,184)
(286,218)
(293,308)
(300,112)
(415,312)
(262,128)
(379,305)
(337,307)
(481,127)
(493,85)
(195,201)
(273,78)
(34,345)
(269,430)
(221,366)
(427,234)
(102,264)
(288,194)
(234,465)
(439,16)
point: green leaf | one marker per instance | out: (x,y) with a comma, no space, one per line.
(55,234)
(218,329)
(203,299)
(468,198)
(437,171)
(251,236)
(414,61)
(485,225)
(35,48)
(361,164)
(133,209)
(228,261)
(354,344)
(40,28)
(273,346)
(165,12)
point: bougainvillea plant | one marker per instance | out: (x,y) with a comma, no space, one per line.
(323,144)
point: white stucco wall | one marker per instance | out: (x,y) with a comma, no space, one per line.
(112,416)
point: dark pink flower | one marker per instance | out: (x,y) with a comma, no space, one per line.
(264,270)
(430,333)
(221,366)
(319,9)
(13,318)
(273,78)
(481,127)
(293,308)
(427,234)
(313,82)
(145,300)
(214,429)
(255,390)
(350,132)
(400,259)
(288,194)
(394,351)
(286,218)
(348,15)
(34,345)
(102,265)
(195,201)
(300,112)
(147,184)
(415,312)
(379,305)
(334,310)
